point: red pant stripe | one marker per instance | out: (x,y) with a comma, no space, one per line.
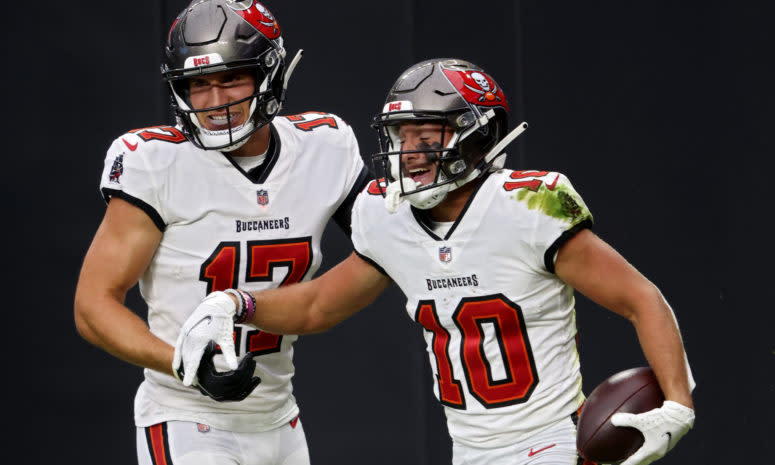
(158,444)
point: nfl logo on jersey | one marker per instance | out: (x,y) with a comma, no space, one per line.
(263,197)
(445,254)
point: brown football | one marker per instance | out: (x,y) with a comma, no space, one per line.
(632,391)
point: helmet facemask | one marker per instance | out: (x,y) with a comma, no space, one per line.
(455,94)
(267,72)
(457,161)
(212,36)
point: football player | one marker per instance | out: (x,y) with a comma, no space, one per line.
(488,259)
(232,196)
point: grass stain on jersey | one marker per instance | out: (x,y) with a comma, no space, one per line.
(561,203)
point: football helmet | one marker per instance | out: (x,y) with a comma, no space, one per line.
(211,36)
(459,96)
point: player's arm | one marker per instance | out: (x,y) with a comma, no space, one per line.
(120,252)
(317,305)
(301,308)
(594,268)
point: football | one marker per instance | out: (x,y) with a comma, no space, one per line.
(630,391)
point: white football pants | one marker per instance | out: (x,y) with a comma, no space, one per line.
(188,443)
(556,445)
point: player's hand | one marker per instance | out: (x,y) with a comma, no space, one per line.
(661,428)
(212,320)
(224,386)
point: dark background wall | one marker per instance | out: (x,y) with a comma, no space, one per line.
(659,112)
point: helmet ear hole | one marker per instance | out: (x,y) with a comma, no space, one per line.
(481,141)
(270,108)
(457,167)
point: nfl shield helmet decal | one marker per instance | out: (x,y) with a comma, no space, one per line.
(263,197)
(445,254)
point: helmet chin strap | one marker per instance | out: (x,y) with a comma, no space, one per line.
(393,193)
(423,200)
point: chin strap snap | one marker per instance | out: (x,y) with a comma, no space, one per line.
(393,196)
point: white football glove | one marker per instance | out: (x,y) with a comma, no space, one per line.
(661,428)
(212,320)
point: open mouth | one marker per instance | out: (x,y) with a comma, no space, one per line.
(422,176)
(216,122)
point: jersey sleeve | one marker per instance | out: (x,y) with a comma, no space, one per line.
(357,176)
(128,175)
(561,213)
(365,204)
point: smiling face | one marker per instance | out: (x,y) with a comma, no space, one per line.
(429,139)
(213,90)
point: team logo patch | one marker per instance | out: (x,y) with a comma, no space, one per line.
(445,254)
(569,205)
(262,196)
(117,169)
(477,87)
(202,428)
(258,16)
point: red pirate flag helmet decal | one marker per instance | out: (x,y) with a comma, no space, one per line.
(476,87)
(258,16)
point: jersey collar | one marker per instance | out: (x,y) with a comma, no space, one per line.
(423,219)
(260,173)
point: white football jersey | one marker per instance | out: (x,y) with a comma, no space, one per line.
(226,228)
(499,324)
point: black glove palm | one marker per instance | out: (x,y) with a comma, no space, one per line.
(224,386)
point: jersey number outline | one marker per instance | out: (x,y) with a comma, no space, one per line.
(301,122)
(377,187)
(470,316)
(532,185)
(163,133)
(221,271)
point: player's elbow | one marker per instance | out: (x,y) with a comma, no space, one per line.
(83,309)
(317,323)
(644,300)
(81,322)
